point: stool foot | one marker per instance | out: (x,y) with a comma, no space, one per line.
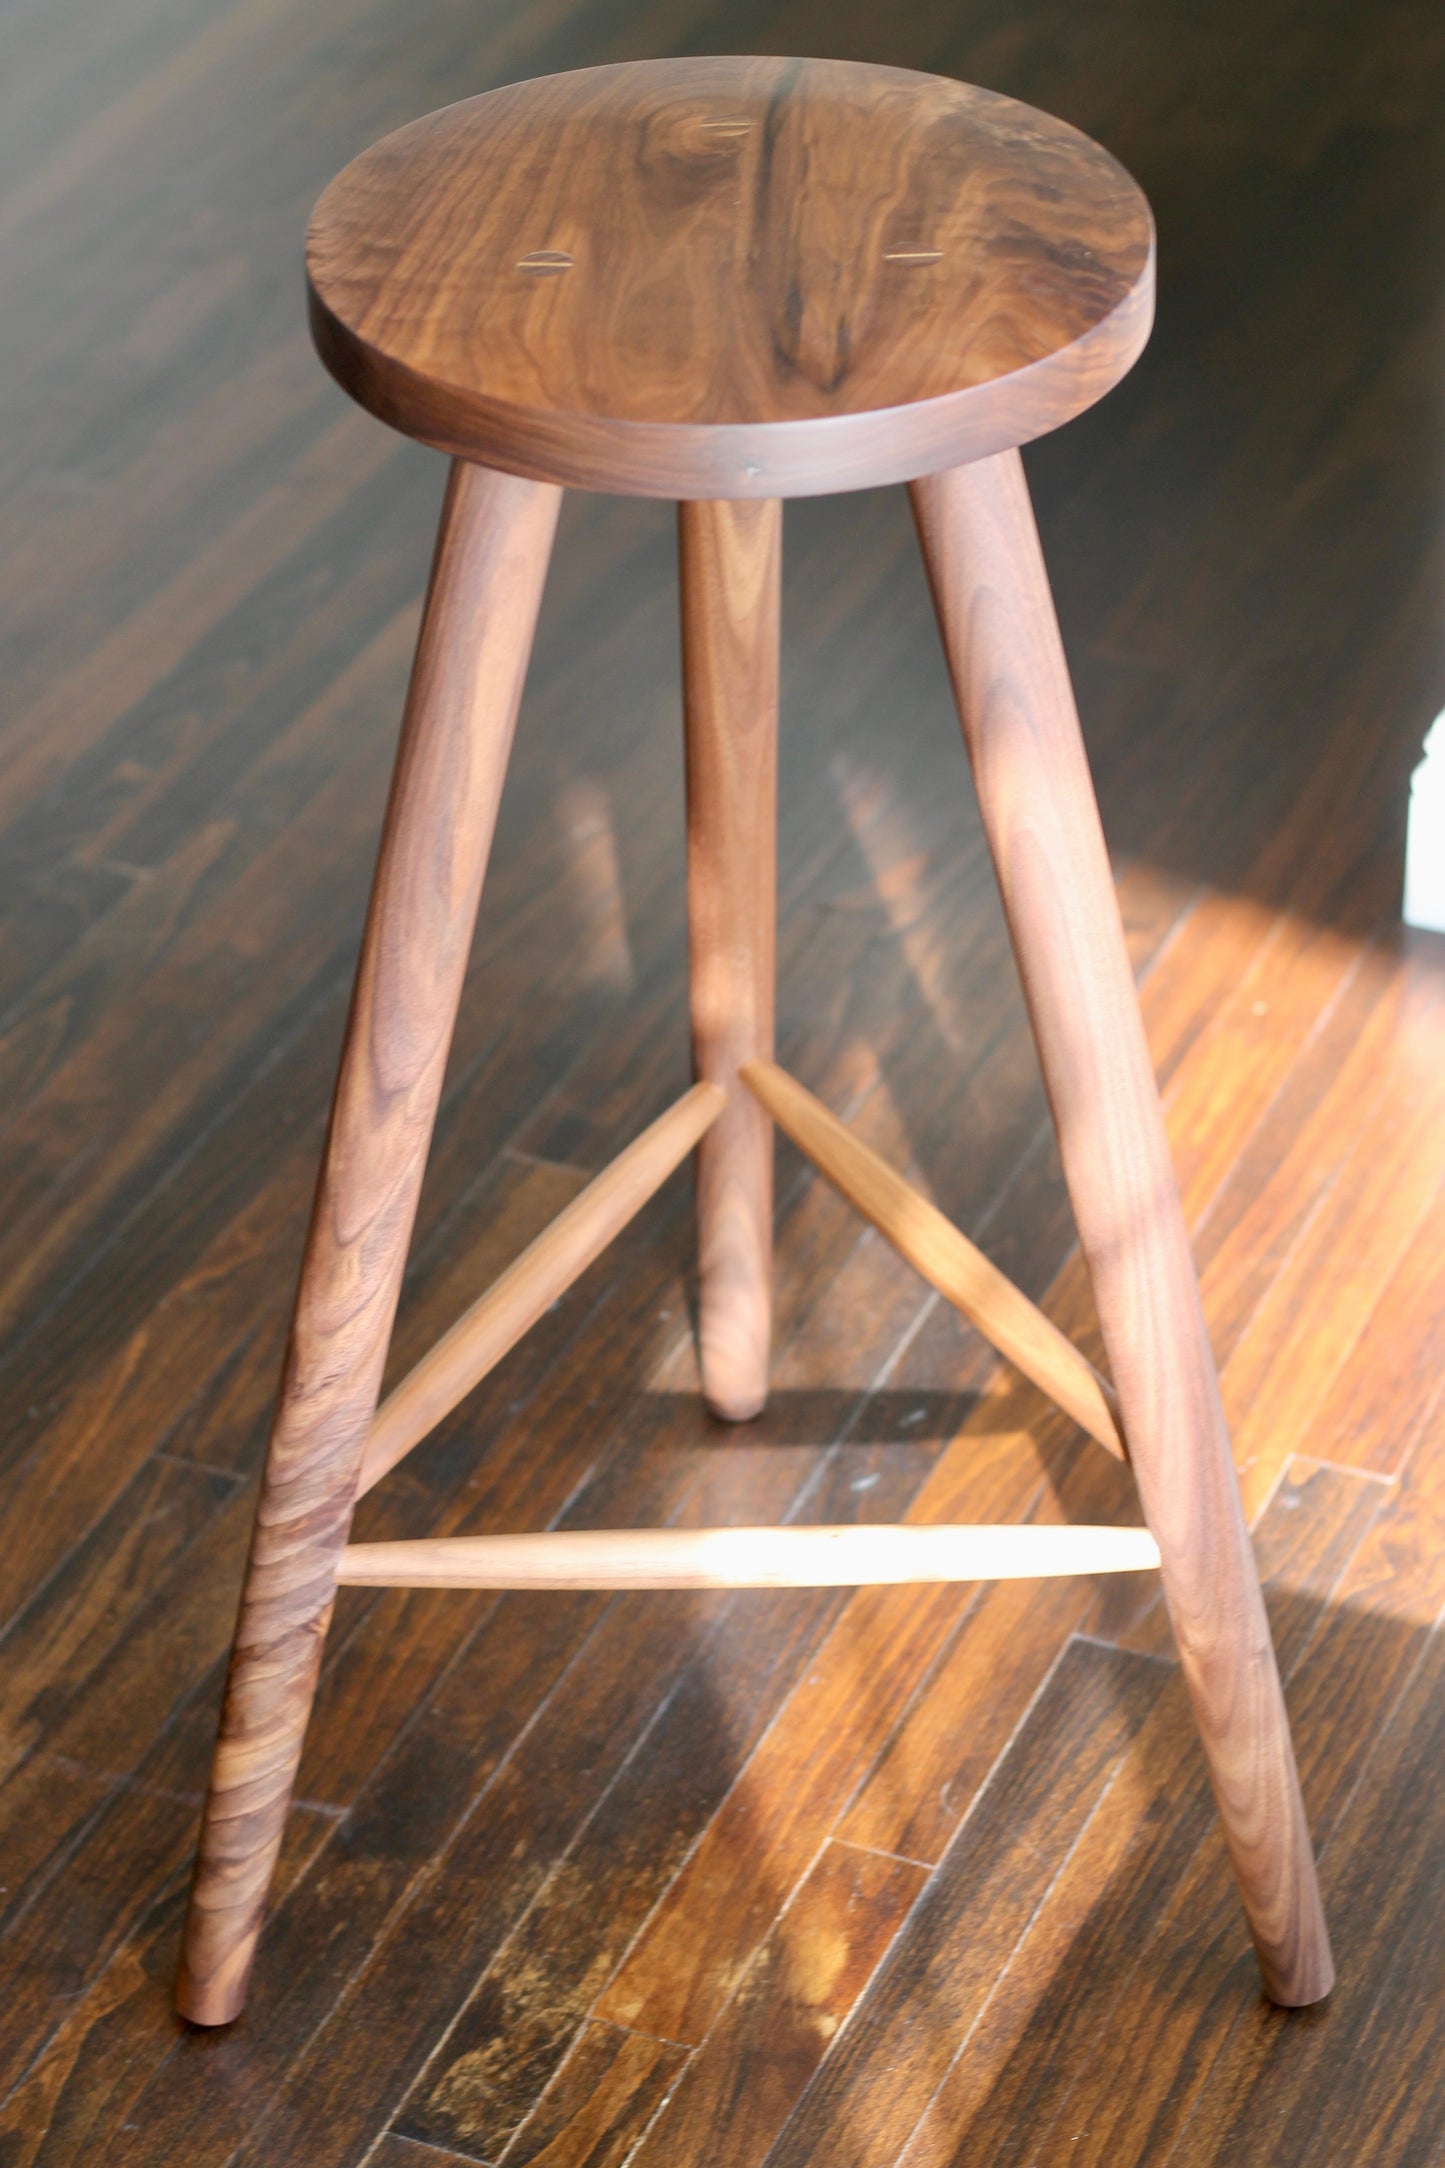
(1011,680)
(491,558)
(730,557)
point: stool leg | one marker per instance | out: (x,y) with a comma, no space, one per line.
(491,558)
(991,593)
(731,556)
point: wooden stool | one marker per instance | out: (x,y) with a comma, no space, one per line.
(731,282)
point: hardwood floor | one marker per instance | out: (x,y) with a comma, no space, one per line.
(925,1876)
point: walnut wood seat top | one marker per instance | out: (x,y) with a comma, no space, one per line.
(731,277)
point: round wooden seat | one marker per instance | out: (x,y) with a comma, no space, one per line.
(731,278)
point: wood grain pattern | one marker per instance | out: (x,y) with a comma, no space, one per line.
(947,1955)
(209,571)
(1126,2062)
(1391,1888)
(1277,1400)
(395,2152)
(546,1269)
(1313,1526)
(1041,2060)
(486,584)
(811,1557)
(947,1741)
(1389,1389)
(996,2097)
(476,1889)
(1012,685)
(731,277)
(67,1640)
(519,2019)
(600,2103)
(787,2012)
(678,1977)
(730,566)
(946,1258)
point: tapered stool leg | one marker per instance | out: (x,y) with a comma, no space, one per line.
(491,558)
(731,555)
(1012,685)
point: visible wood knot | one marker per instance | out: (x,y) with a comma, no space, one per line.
(545,260)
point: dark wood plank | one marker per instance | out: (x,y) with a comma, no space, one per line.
(740,2087)
(1315,1522)
(996,2097)
(393,2152)
(1383,1880)
(1025,2078)
(871,2090)
(502,1866)
(1282,1370)
(114,1884)
(600,2102)
(516,2026)
(1385,1394)
(118,1725)
(181,1626)
(59,1642)
(395,1852)
(1119,2058)
(790,1794)
(70,2102)
(963,1717)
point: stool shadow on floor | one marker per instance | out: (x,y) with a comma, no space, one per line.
(921,1421)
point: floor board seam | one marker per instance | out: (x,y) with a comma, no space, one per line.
(878,1851)
(1021,1939)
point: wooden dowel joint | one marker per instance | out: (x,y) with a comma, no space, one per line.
(838,1557)
(546,1269)
(947,1259)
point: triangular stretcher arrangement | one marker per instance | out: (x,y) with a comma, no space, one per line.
(791,1557)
